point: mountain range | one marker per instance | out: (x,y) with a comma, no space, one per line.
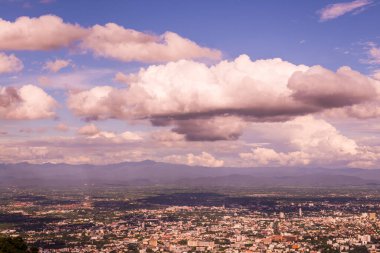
(148,172)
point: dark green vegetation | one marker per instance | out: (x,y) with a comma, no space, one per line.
(359,249)
(15,245)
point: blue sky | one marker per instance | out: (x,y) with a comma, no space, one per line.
(291,30)
(261,29)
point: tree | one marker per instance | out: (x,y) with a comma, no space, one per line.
(182,242)
(133,248)
(359,249)
(13,245)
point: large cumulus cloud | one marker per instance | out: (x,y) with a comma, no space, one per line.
(324,88)
(302,141)
(193,97)
(27,102)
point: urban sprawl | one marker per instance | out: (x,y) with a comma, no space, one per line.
(107,224)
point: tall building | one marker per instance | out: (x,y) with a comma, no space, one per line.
(300,212)
(372,216)
(153,242)
(282,215)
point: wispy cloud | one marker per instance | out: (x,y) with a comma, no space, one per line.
(46,1)
(372,51)
(333,11)
(10,63)
(57,65)
(374,54)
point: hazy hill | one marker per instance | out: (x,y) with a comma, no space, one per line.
(149,172)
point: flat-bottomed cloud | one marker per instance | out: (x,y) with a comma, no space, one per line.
(191,96)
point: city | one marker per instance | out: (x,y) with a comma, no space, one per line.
(96,219)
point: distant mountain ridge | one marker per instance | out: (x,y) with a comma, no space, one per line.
(153,173)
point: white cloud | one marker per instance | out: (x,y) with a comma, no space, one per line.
(364,110)
(373,54)
(376,74)
(43,33)
(113,41)
(93,132)
(97,103)
(107,136)
(191,96)
(333,11)
(210,129)
(166,136)
(89,129)
(130,136)
(116,42)
(46,1)
(62,127)
(303,141)
(316,135)
(265,156)
(57,65)
(203,159)
(10,63)
(74,80)
(27,102)
(325,88)
(121,78)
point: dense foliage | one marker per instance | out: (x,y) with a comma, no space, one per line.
(14,245)
(359,249)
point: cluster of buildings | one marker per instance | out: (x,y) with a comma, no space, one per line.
(196,229)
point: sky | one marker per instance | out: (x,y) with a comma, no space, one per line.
(203,83)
